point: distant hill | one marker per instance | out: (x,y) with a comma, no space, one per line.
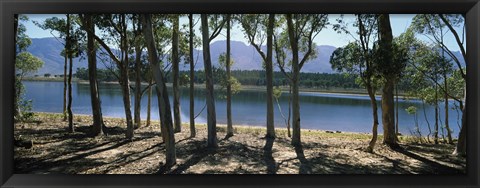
(245,57)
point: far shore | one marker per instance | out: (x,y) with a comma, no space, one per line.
(285,89)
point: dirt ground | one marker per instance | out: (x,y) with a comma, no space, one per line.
(55,151)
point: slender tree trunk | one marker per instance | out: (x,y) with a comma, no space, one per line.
(461,148)
(162,94)
(92,75)
(269,74)
(175,65)
(296,140)
(71,128)
(428,122)
(18,112)
(373,103)
(149,102)
(229,86)
(65,85)
(192,79)
(211,116)
(435,134)
(138,85)
(396,110)
(289,111)
(125,82)
(447,125)
(388,111)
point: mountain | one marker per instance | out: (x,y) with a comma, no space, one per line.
(244,55)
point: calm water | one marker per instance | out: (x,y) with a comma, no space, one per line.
(318,111)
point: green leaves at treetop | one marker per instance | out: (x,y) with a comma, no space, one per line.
(26,63)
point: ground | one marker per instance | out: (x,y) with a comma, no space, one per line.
(56,151)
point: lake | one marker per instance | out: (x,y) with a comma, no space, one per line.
(350,113)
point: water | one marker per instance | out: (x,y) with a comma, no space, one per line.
(318,111)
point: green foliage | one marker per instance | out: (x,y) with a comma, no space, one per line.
(26,63)
(277,92)
(411,110)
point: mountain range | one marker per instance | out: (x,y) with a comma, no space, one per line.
(245,57)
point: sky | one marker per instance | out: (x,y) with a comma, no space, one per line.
(399,24)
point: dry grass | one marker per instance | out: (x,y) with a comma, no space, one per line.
(247,152)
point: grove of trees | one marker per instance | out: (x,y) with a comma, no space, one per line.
(150,48)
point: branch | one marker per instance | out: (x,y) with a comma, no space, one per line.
(454,32)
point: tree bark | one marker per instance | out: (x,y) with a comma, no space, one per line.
(149,102)
(461,148)
(296,140)
(65,80)
(162,94)
(447,126)
(269,75)
(373,103)
(16,96)
(192,78)
(138,85)
(396,110)
(211,116)
(388,114)
(229,86)
(92,72)
(71,128)
(175,65)
(435,134)
(124,80)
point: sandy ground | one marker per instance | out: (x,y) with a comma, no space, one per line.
(56,151)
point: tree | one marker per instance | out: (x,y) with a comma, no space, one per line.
(357,58)
(25,63)
(116,26)
(391,60)
(166,122)
(138,47)
(89,27)
(301,31)
(433,26)
(192,76)
(229,86)
(254,26)
(206,39)
(175,67)
(60,26)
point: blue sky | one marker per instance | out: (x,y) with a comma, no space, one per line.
(399,23)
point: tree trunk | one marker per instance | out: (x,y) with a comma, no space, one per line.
(396,110)
(192,79)
(461,148)
(229,87)
(65,85)
(16,95)
(447,126)
(296,140)
(162,94)
(125,82)
(435,134)
(269,75)
(289,111)
(175,65)
(211,116)
(138,84)
(373,103)
(149,102)
(388,111)
(92,75)
(71,128)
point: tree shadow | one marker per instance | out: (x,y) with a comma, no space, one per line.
(268,158)
(437,167)
(305,167)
